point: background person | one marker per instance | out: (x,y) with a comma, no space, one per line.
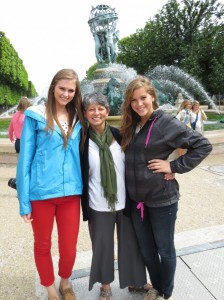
(49,181)
(149,136)
(15,130)
(184,116)
(16,124)
(103,202)
(197,117)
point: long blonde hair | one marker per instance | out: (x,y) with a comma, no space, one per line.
(184,104)
(73,107)
(195,102)
(129,116)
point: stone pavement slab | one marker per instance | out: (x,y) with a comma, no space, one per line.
(199,231)
(199,276)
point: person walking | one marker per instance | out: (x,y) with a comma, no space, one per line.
(149,136)
(49,180)
(16,124)
(104,202)
(197,117)
(15,130)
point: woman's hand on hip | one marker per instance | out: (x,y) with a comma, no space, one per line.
(159,166)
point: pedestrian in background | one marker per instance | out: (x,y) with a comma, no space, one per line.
(184,112)
(16,124)
(49,180)
(197,117)
(15,130)
(149,136)
(184,116)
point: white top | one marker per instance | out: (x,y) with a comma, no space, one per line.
(65,126)
(200,123)
(97,200)
(184,116)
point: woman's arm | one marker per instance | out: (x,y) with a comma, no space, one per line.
(179,136)
(11,131)
(203,115)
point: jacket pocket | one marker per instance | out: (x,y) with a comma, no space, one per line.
(151,184)
(48,172)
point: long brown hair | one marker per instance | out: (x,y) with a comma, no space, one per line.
(73,107)
(129,116)
(24,103)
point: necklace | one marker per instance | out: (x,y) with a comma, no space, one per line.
(139,125)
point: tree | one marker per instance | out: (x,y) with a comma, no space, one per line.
(90,72)
(187,34)
(13,76)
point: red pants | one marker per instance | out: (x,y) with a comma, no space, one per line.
(66,212)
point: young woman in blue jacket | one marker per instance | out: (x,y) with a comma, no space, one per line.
(149,136)
(49,181)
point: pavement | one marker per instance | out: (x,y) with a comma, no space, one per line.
(199,237)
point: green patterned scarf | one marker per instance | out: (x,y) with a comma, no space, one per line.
(107,170)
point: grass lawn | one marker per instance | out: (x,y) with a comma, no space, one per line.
(214,117)
(4,125)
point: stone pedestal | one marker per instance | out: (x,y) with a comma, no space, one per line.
(103,75)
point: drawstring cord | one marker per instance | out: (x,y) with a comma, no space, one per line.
(141,204)
(141,207)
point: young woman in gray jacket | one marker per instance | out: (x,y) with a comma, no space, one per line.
(149,136)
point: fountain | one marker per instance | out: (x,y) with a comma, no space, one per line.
(170,80)
(111,78)
(108,77)
(171,83)
(9,112)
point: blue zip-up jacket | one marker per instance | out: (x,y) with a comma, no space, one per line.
(45,168)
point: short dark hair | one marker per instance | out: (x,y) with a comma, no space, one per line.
(95,98)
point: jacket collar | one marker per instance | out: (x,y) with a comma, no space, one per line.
(38,112)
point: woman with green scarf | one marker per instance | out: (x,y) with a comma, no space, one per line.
(104,201)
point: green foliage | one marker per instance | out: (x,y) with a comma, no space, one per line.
(188,34)
(130,49)
(90,72)
(14,81)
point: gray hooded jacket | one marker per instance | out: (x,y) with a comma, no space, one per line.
(166,134)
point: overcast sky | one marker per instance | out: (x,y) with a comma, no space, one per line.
(53,34)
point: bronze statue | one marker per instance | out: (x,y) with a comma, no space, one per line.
(114,95)
(102,22)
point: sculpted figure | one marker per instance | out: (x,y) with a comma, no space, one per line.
(98,48)
(111,55)
(102,22)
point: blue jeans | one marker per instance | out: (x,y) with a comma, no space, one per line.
(156,240)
